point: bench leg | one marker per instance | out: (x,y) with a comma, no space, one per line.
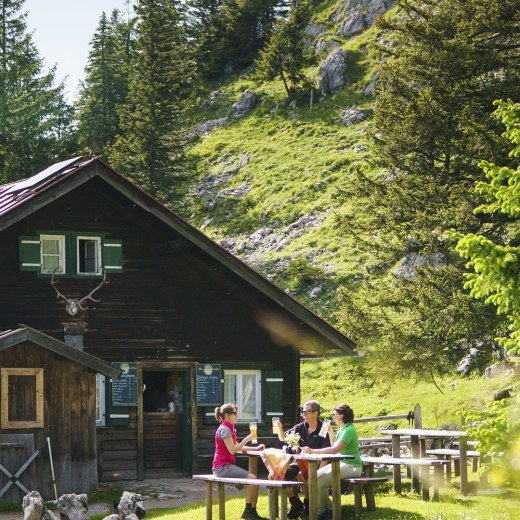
(437,480)
(474,464)
(271,492)
(221,501)
(396,452)
(209,501)
(425,473)
(370,498)
(358,506)
(283,504)
(448,469)
(456,465)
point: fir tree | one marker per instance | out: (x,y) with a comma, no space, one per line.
(286,55)
(33,112)
(447,62)
(106,85)
(151,146)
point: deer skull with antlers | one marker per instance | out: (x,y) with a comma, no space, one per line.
(74,305)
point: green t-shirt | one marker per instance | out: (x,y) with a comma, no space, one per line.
(348,435)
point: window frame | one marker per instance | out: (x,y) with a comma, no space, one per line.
(100,400)
(258,390)
(99,259)
(62,262)
(4,405)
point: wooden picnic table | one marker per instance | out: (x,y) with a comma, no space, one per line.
(313,459)
(419,450)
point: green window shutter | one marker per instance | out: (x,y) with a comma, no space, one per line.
(30,258)
(113,255)
(272,394)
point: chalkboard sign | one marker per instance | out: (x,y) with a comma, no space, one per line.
(124,388)
(208,384)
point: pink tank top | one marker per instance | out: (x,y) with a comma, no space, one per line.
(222,454)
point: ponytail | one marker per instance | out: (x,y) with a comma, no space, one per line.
(220,411)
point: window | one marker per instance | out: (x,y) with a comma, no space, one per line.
(100,400)
(242,387)
(52,249)
(22,398)
(89,255)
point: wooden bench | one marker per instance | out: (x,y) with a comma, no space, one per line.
(425,464)
(449,455)
(272,487)
(366,485)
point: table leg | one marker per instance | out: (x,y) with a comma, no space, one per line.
(221,502)
(336,491)
(252,465)
(437,481)
(209,501)
(463,448)
(283,504)
(416,453)
(313,489)
(396,452)
(448,469)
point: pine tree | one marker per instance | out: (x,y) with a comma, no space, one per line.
(106,85)
(33,112)
(448,60)
(286,55)
(151,146)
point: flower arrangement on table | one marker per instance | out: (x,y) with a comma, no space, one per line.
(293,441)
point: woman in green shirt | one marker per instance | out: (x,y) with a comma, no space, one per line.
(347,444)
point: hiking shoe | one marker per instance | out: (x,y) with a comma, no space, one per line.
(251,514)
(296,509)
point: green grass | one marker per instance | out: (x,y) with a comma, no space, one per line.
(389,505)
(347,380)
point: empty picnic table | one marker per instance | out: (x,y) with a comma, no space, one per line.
(419,433)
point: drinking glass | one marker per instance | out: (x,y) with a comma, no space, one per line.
(253,430)
(324,428)
(276,425)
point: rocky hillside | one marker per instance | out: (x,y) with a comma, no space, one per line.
(271,187)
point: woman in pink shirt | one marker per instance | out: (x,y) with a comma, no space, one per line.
(226,446)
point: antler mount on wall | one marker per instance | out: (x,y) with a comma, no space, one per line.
(74,305)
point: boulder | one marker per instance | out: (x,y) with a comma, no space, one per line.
(406,267)
(503,367)
(314,29)
(208,126)
(353,22)
(352,115)
(73,507)
(331,76)
(353,16)
(131,504)
(243,106)
(32,505)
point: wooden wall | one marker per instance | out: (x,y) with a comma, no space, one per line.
(69,421)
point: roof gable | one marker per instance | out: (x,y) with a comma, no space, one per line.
(20,199)
(11,338)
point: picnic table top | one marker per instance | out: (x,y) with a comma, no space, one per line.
(403,460)
(306,456)
(447,451)
(419,432)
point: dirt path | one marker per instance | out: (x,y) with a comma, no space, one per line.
(169,492)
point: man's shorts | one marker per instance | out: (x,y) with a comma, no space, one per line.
(292,471)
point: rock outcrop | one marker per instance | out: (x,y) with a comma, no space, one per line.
(354,16)
(331,76)
(406,267)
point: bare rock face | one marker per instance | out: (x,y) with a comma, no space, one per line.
(73,507)
(130,505)
(352,115)
(331,76)
(407,265)
(502,368)
(315,29)
(208,126)
(243,106)
(354,16)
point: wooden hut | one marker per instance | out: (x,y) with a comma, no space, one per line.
(47,390)
(190,325)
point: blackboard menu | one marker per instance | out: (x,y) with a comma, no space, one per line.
(124,388)
(208,384)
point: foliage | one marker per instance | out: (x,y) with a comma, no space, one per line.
(35,121)
(106,85)
(151,145)
(286,55)
(495,266)
(497,428)
(431,123)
